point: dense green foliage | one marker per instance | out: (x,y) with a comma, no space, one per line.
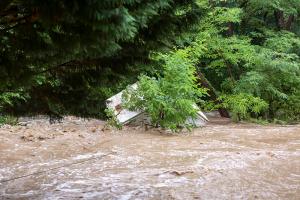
(252,48)
(67,57)
(242,105)
(170,99)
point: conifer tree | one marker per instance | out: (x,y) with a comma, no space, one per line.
(62,53)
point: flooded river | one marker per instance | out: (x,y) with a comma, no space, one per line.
(79,160)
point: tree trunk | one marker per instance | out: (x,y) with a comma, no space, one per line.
(281,23)
(212,93)
(289,23)
(230,30)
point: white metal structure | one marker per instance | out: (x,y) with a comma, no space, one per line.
(125,116)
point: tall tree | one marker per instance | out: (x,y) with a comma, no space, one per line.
(62,53)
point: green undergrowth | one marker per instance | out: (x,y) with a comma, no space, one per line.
(8,119)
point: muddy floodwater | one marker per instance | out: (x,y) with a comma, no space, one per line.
(79,159)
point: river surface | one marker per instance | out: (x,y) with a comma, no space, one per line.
(80,160)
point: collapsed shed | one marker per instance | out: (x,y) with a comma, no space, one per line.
(125,116)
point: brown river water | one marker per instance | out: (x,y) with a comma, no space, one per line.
(78,159)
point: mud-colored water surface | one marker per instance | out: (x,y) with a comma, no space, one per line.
(79,160)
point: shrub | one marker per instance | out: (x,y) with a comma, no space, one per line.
(243,105)
(8,119)
(170,99)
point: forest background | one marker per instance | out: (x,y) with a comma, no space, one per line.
(64,57)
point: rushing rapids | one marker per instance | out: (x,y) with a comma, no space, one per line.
(79,159)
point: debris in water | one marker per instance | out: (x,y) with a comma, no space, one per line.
(125,116)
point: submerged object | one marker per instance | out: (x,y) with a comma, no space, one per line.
(125,116)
